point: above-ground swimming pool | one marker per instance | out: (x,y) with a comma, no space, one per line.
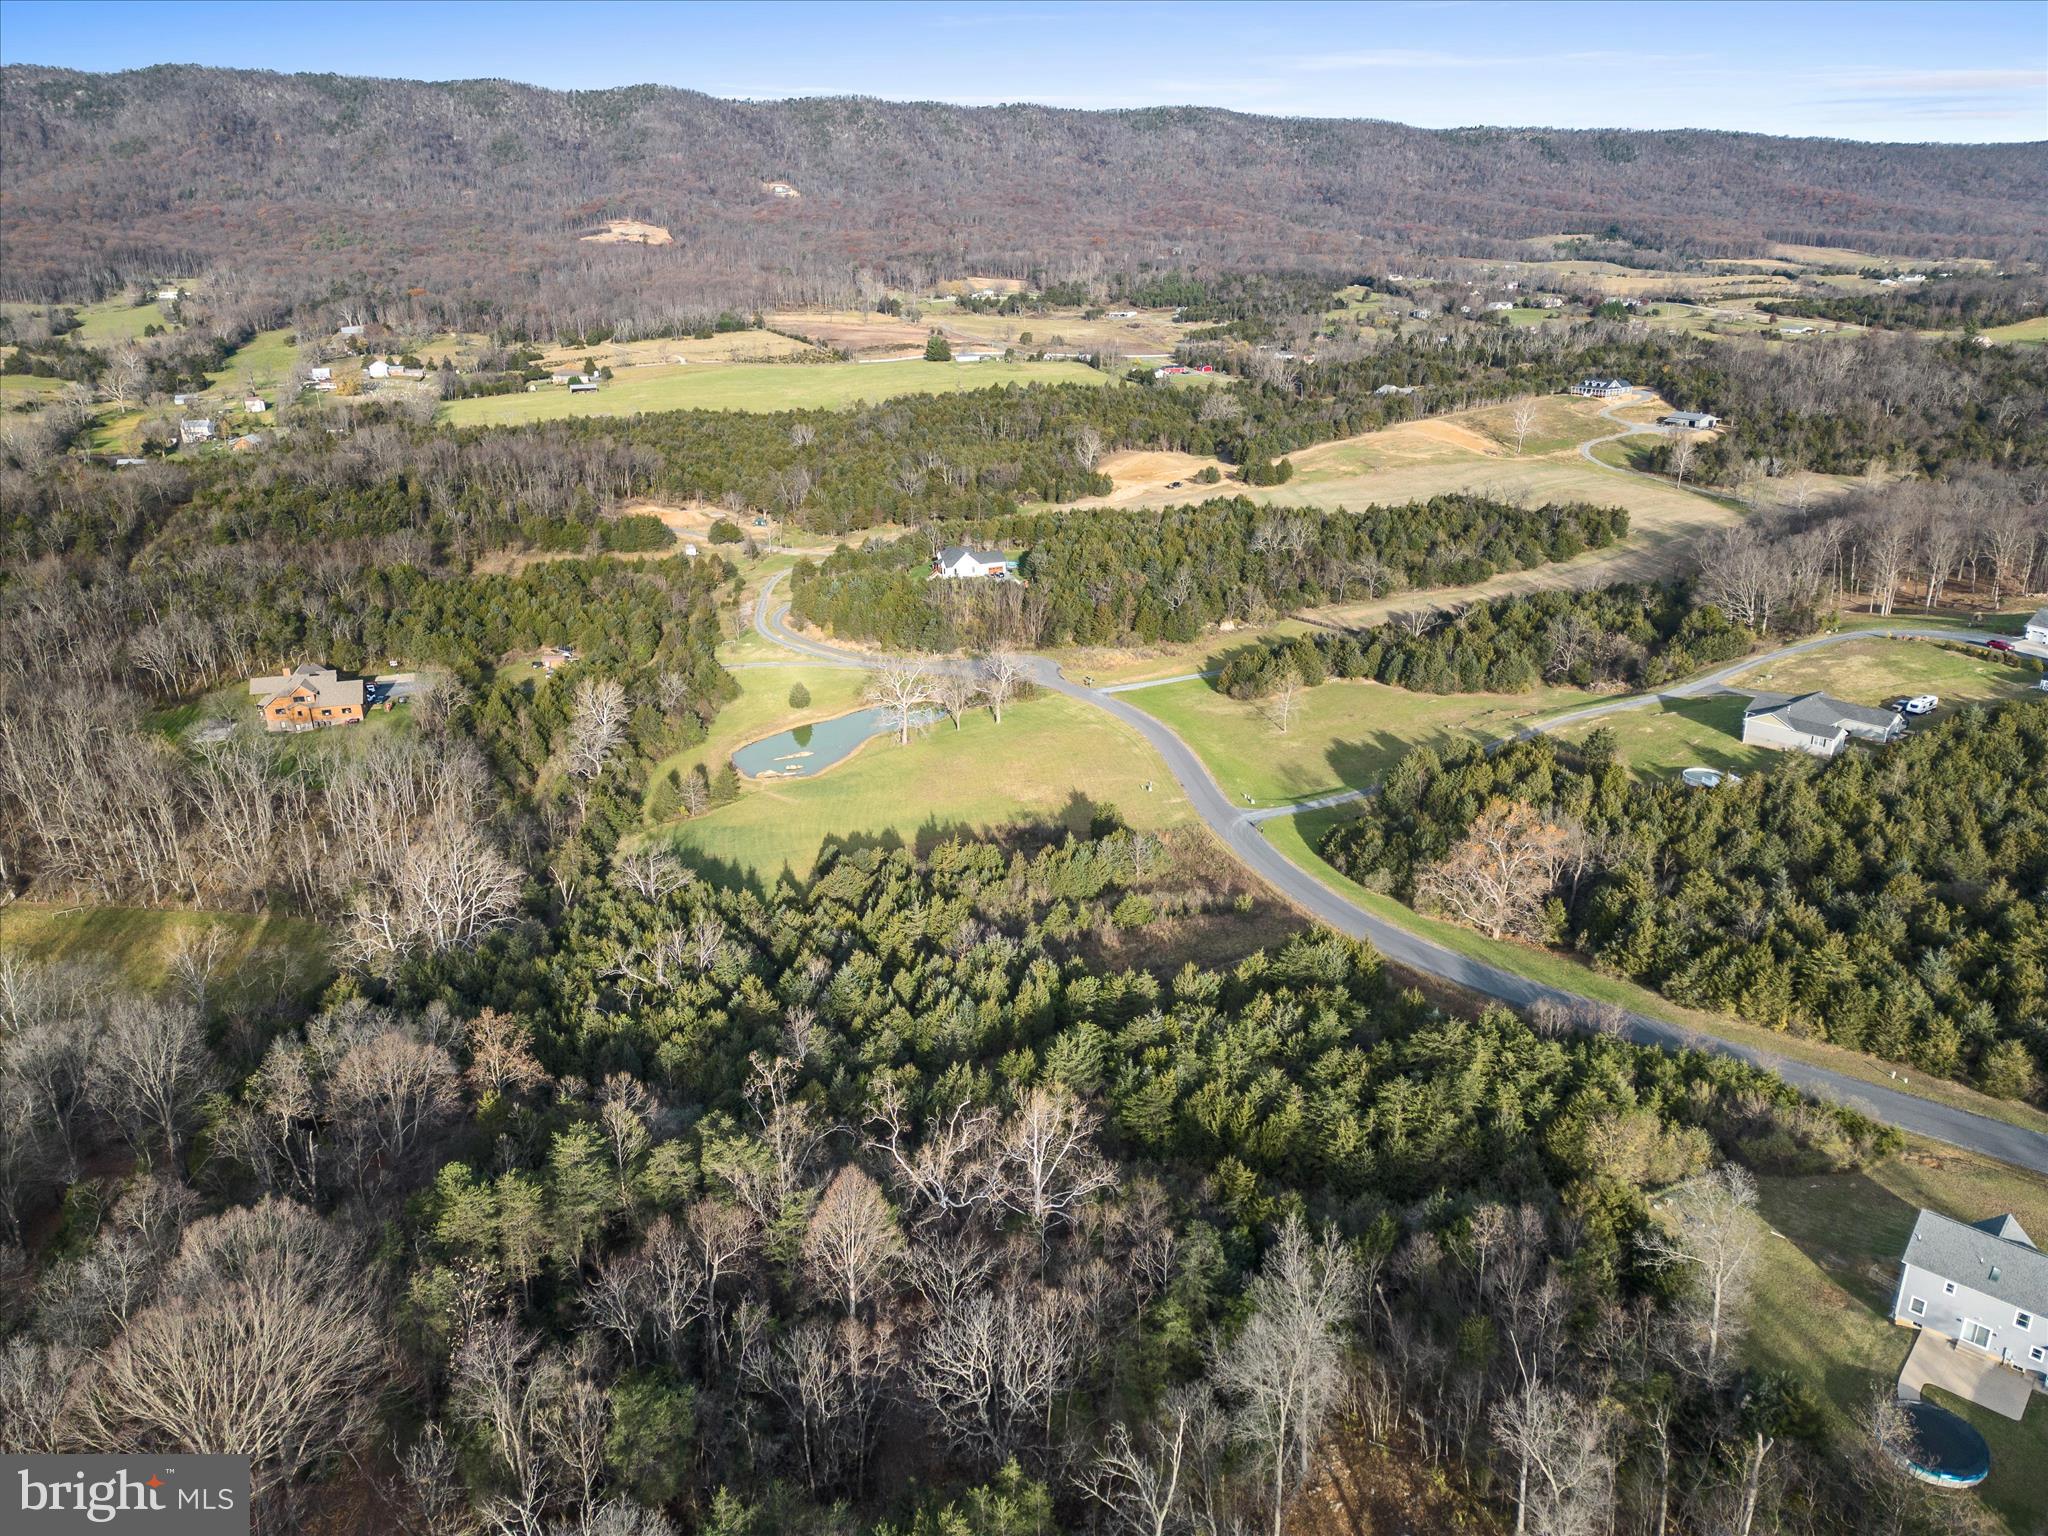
(1946,1449)
(808,749)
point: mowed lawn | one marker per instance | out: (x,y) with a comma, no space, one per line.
(137,943)
(1673,734)
(1052,761)
(1822,1309)
(763,708)
(760,387)
(1876,670)
(1344,734)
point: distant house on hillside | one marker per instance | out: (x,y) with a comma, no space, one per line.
(254,406)
(2037,628)
(780,189)
(384,368)
(167,295)
(1983,1285)
(1395,389)
(320,375)
(956,562)
(1692,421)
(1815,723)
(308,698)
(195,431)
(583,387)
(1601,389)
(1499,305)
(350,331)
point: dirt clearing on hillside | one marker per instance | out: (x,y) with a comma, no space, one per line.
(1139,472)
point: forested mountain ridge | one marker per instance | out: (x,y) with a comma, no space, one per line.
(475,191)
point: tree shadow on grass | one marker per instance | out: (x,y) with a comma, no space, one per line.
(1851,1227)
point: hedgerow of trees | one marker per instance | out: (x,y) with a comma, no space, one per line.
(1101,576)
(1889,901)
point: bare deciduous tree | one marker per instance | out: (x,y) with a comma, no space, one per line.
(1498,876)
(1284,1369)
(1711,1230)
(1001,674)
(1565,1484)
(902,688)
(150,1071)
(266,1344)
(852,1245)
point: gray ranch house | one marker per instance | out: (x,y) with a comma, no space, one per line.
(1814,722)
(2037,628)
(1984,1287)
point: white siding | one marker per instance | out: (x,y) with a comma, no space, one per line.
(1947,1314)
(1770,731)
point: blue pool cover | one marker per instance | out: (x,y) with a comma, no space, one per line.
(1946,1450)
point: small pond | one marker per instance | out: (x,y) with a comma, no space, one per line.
(808,749)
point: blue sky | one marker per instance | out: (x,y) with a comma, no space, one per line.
(1952,71)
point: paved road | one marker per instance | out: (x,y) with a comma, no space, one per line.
(1239,831)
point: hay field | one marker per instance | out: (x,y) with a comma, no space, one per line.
(759,387)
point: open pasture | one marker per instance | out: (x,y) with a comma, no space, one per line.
(759,387)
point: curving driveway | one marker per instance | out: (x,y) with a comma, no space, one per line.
(1239,831)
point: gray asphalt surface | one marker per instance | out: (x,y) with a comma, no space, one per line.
(1239,831)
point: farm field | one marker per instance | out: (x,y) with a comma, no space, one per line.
(2032,333)
(22,388)
(725,347)
(760,387)
(138,943)
(1345,734)
(256,367)
(1052,760)
(1152,331)
(116,320)
(1822,1308)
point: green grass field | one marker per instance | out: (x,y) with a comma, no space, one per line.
(1680,733)
(1822,1308)
(1052,760)
(116,320)
(1872,671)
(20,388)
(763,708)
(137,943)
(1344,734)
(258,366)
(2033,333)
(759,387)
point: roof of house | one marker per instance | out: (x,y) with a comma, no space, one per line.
(328,686)
(2040,617)
(1993,1256)
(953,554)
(1820,714)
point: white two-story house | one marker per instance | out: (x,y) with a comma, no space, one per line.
(1983,1286)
